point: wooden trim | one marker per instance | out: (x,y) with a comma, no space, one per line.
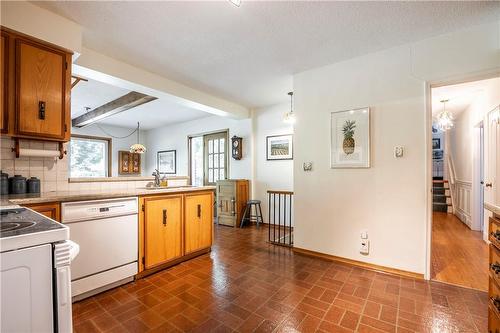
(373,267)
(65,65)
(102,138)
(280,192)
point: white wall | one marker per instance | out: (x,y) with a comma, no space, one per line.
(270,175)
(118,144)
(389,199)
(175,137)
(32,20)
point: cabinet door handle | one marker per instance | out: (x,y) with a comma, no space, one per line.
(233,210)
(199,211)
(41,110)
(165,217)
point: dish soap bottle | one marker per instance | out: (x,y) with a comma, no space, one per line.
(164,182)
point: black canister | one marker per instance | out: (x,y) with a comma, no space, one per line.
(4,183)
(17,184)
(33,185)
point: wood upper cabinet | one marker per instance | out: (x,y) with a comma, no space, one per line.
(3,79)
(198,222)
(162,230)
(40,90)
(51,210)
(36,88)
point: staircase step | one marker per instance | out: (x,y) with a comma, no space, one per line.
(438,198)
(440,207)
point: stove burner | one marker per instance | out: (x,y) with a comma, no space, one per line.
(11,226)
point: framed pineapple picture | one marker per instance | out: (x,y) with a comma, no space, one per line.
(350,139)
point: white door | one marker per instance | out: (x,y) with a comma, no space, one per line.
(26,284)
(492,162)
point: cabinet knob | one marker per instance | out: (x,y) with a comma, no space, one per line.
(488,184)
(165,217)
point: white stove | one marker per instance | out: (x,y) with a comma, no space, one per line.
(35,256)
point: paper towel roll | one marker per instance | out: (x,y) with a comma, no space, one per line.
(38,153)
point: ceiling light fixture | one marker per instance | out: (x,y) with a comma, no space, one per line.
(445,119)
(137,148)
(237,3)
(289,117)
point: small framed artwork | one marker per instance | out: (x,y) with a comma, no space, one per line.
(279,147)
(436,143)
(166,161)
(128,163)
(350,139)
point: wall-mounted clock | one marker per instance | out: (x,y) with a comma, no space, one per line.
(236,143)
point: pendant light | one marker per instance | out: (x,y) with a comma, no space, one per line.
(445,119)
(137,148)
(289,117)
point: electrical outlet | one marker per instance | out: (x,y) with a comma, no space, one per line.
(364,246)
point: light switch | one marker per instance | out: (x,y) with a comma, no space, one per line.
(398,151)
(308,166)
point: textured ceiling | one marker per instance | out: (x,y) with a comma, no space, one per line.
(248,54)
(151,115)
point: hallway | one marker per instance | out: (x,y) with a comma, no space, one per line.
(459,255)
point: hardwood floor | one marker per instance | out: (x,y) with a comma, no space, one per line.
(248,285)
(459,255)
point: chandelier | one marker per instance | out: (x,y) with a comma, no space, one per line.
(444,119)
(289,117)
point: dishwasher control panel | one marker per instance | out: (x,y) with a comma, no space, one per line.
(98,209)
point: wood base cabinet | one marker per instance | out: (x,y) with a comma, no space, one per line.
(162,230)
(199,220)
(232,197)
(173,228)
(494,280)
(51,210)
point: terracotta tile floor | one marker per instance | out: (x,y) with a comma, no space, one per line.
(247,285)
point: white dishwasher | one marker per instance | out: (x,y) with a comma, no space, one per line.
(107,232)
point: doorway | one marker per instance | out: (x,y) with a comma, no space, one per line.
(458,250)
(208,157)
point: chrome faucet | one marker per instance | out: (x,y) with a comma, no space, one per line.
(156,173)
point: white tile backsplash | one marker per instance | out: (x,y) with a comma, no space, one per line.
(52,172)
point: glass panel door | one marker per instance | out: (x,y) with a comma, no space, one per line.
(215,157)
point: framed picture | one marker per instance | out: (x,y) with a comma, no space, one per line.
(279,147)
(350,139)
(166,161)
(128,163)
(436,143)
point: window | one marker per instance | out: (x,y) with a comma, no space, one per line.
(89,156)
(208,158)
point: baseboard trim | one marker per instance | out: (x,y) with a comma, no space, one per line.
(362,264)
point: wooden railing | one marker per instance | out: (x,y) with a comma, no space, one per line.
(280,217)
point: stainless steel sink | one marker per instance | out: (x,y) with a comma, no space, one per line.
(152,188)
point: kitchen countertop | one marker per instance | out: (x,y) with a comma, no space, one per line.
(492,208)
(66,196)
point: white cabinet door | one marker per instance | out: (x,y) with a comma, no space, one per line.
(26,284)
